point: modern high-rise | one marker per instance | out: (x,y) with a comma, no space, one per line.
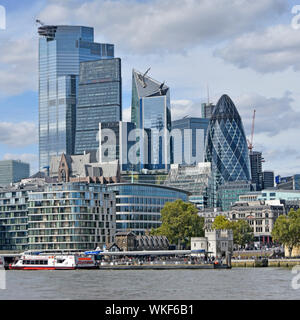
(268,179)
(61,49)
(151,109)
(226,145)
(188,149)
(256,160)
(138,206)
(207,110)
(12,171)
(99,100)
(115,143)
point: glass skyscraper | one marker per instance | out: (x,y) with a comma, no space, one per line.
(99,100)
(189,149)
(61,49)
(226,144)
(12,171)
(151,110)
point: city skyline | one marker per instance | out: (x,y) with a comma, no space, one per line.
(221,60)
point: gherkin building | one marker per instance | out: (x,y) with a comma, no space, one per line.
(226,145)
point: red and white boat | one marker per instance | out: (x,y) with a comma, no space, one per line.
(54,262)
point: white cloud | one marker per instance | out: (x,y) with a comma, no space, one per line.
(183,108)
(18,134)
(273,114)
(164,25)
(275,49)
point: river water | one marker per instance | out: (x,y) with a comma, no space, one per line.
(237,283)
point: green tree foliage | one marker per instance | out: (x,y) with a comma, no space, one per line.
(180,222)
(242,232)
(287,230)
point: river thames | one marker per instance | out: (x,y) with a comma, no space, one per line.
(237,283)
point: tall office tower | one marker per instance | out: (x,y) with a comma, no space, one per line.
(189,148)
(61,49)
(256,169)
(12,171)
(115,143)
(207,110)
(268,179)
(151,109)
(226,145)
(99,100)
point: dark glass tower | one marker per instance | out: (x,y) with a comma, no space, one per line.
(226,144)
(61,49)
(151,111)
(189,150)
(99,100)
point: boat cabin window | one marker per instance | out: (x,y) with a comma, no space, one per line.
(60,260)
(38,262)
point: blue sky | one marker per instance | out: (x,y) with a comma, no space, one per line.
(246,49)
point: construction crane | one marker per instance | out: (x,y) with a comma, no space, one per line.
(250,143)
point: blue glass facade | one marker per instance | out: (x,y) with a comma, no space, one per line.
(189,150)
(99,100)
(117,148)
(61,49)
(12,171)
(139,205)
(151,111)
(226,144)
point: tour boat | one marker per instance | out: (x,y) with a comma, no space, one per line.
(54,262)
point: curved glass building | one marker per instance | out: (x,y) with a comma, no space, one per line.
(226,145)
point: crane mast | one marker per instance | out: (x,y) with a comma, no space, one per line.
(250,143)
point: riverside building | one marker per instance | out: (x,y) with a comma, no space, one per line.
(71,217)
(14,215)
(138,206)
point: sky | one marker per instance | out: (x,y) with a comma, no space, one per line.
(248,49)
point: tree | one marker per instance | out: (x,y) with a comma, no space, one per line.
(287,230)
(221,222)
(180,222)
(242,232)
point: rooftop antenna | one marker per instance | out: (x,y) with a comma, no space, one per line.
(208,98)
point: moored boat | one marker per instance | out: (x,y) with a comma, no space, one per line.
(54,262)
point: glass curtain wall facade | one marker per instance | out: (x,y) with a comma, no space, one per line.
(151,110)
(139,205)
(189,150)
(12,171)
(226,145)
(61,49)
(99,100)
(119,147)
